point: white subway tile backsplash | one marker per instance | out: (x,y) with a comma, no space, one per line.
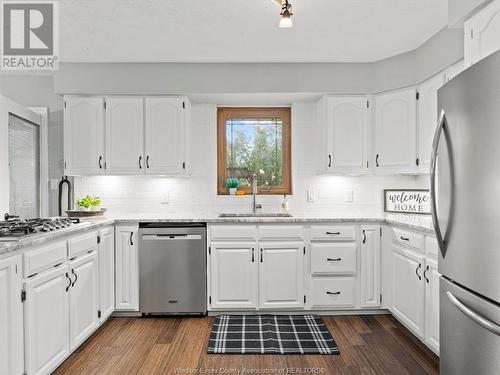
(197,193)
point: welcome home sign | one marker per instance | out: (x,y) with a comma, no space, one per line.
(407,201)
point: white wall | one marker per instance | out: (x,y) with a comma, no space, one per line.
(197,194)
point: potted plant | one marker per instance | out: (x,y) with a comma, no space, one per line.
(232,184)
(89,203)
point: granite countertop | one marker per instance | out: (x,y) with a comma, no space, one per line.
(422,223)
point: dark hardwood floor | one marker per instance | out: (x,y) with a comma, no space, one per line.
(370,344)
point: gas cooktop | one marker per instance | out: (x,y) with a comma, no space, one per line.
(14,229)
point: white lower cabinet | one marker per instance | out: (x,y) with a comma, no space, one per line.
(106,261)
(83,299)
(408,289)
(126,268)
(431,277)
(332,292)
(234,278)
(281,275)
(370,266)
(11,317)
(46,320)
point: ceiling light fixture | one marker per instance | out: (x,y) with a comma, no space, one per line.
(286,13)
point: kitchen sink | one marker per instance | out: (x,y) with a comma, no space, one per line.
(257,215)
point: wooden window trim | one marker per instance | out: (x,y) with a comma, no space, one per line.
(285,114)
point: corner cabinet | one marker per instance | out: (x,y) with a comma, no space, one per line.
(84,135)
(395,132)
(126,135)
(11,316)
(126,268)
(428,118)
(481,33)
(345,120)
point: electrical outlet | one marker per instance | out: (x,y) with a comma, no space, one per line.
(311,196)
(348,197)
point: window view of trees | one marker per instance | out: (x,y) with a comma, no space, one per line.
(255,146)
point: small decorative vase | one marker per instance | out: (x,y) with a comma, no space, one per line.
(232,191)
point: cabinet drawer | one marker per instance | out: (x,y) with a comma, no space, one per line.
(333,233)
(333,258)
(233,233)
(44,258)
(408,238)
(281,232)
(82,244)
(333,292)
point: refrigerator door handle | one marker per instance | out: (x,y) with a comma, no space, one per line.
(483,322)
(435,143)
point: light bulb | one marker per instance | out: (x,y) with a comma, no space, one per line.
(286,22)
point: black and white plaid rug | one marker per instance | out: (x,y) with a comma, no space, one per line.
(270,334)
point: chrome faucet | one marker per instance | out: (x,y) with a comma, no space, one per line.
(254,194)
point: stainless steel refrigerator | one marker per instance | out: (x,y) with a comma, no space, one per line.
(466,216)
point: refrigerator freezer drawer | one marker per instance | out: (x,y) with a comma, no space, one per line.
(470,336)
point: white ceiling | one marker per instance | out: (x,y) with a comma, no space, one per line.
(244,30)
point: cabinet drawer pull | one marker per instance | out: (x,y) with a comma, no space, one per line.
(333,293)
(425,274)
(404,238)
(57,265)
(334,259)
(336,233)
(70,282)
(76,278)
(416,271)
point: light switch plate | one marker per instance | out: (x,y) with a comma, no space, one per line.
(311,196)
(166,198)
(348,195)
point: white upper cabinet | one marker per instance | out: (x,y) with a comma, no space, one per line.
(281,275)
(346,120)
(84,135)
(124,135)
(166,134)
(427,118)
(11,317)
(482,34)
(395,131)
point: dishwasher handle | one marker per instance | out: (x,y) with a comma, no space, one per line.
(170,237)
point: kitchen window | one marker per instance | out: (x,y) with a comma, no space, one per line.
(254,141)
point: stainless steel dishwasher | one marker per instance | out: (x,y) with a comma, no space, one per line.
(172,268)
